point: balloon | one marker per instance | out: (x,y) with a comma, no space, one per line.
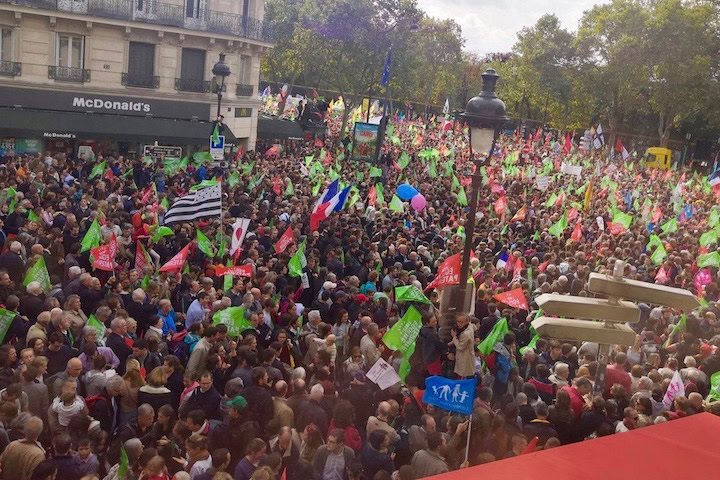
(406,192)
(418,202)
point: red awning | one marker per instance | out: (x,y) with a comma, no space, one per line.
(685,448)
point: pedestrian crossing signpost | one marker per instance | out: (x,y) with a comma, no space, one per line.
(604,321)
(217,150)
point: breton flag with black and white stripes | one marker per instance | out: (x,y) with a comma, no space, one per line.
(199,204)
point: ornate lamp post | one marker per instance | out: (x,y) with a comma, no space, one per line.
(485,115)
(221,70)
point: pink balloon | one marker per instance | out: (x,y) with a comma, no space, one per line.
(418,202)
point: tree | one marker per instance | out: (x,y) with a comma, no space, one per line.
(683,54)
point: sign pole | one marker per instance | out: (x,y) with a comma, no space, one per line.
(467,443)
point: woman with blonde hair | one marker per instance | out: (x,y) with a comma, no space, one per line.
(154,392)
(263,473)
(129,393)
(74,313)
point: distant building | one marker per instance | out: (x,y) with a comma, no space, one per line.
(122,74)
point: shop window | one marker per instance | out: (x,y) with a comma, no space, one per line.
(243,112)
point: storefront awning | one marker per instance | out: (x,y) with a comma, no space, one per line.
(684,448)
(279,129)
(34,124)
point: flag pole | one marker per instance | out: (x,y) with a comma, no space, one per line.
(467,443)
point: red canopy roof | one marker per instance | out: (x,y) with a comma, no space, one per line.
(684,448)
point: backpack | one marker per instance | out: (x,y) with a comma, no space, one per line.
(182,351)
(92,400)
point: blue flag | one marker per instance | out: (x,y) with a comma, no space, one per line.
(386,70)
(452,395)
(688,211)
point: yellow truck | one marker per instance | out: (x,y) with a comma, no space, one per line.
(658,157)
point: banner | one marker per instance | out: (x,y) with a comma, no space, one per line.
(234,318)
(542,183)
(574,170)
(177,262)
(449,272)
(284,241)
(38,273)
(241,271)
(383,374)
(452,395)
(6,319)
(365,141)
(410,293)
(513,298)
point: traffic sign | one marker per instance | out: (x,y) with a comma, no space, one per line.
(217,150)
(646,292)
(584,331)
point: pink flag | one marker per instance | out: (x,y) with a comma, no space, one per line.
(702,278)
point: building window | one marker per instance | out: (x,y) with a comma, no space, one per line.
(243,112)
(70,50)
(6,44)
(141,66)
(192,72)
(192,8)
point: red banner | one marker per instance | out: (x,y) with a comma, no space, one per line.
(513,298)
(577,233)
(448,273)
(572,214)
(284,241)
(500,205)
(520,215)
(177,262)
(241,271)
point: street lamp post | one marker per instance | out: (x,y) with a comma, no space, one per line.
(221,70)
(484,114)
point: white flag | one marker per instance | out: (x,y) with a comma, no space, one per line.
(446,107)
(675,389)
(240,228)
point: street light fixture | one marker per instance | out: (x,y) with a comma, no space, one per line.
(221,70)
(485,115)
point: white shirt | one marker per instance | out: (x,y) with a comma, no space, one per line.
(200,467)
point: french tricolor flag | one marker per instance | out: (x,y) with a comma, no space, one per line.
(330,201)
(715,182)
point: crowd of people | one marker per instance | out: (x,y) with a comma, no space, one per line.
(129,374)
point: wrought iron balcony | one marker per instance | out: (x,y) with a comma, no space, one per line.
(244,90)
(10,69)
(192,85)
(69,74)
(141,81)
(159,13)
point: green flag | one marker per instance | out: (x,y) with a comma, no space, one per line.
(216,133)
(308,160)
(709,237)
(298,261)
(404,160)
(623,219)
(375,172)
(289,190)
(654,240)
(455,183)
(233,179)
(161,232)
(496,335)
(201,157)
(204,244)
(204,184)
(659,255)
(316,187)
(32,217)
(223,245)
(234,318)
(461,198)
(559,227)
(359,176)
(410,293)
(433,169)
(402,336)
(124,464)
(681,326)
(380,195)
(173,165)
(91,238)
(670,226)
(98,326)
(396,205)
(354,195)
(228,279)
(97,170)
(38,273)
(711,259)
(165,204)
(714,218)
(531,345)
(6,319)
(551,201)
(715,386)
(145,282)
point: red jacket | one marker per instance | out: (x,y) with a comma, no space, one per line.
(617,374)
(352,436)
(576,400)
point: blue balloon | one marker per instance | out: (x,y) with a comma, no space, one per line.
(406,192)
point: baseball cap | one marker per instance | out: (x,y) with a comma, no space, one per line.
(238,402)
(329,285)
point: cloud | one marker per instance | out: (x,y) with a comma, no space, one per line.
(492,26)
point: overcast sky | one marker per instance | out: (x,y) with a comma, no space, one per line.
(490,26)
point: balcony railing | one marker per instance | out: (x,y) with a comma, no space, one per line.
(10,69)
(141,81)
(191,85)
(159,13)
(244,90)
(69,74)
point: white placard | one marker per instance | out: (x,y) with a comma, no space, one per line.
(383,374)
(575,170)
(542,183)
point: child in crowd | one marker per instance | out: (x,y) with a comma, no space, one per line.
(84,460)
(66,406)
(328,344)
